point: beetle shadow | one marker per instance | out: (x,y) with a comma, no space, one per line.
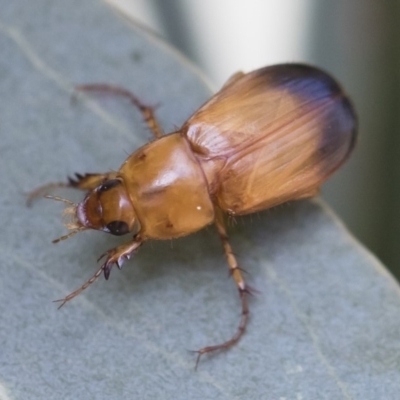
(200,258)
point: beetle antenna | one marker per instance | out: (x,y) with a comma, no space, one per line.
(70,234)
(31,196)
(57,198)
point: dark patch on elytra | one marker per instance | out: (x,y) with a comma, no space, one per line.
(338,133)
(300,80)
(316,88)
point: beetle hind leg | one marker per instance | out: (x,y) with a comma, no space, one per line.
(146,110)
(244,290)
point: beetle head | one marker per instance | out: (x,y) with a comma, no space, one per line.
(107,208)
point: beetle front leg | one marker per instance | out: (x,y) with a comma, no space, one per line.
(117,256)
(82,182)
(89,181)
(240,283)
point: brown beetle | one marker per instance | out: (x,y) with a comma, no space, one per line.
(267,137)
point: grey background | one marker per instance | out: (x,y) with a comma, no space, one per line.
(324,325)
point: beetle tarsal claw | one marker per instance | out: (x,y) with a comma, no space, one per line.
(107,270)
(121,261)
(113,258)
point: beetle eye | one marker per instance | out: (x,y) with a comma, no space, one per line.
(118,228)
(109,184)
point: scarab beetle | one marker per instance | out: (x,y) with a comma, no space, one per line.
(267,137)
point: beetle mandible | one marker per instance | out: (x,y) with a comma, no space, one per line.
(267,137)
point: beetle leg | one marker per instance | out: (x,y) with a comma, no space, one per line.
(118,255)
(147,111)
(88,181)
(79,181)
(240,283)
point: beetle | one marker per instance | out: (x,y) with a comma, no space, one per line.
(267,137)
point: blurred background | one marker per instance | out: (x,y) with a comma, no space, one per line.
(356,41)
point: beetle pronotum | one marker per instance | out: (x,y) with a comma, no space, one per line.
(267,137)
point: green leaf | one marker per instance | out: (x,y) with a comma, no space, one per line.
(326,320)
